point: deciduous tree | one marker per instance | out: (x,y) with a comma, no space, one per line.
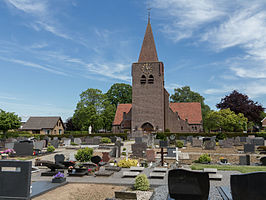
(119,93)
(240,103)
(9,120)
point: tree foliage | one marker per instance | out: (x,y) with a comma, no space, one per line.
(240,103)
(226,120)
(119,93)
(184,94)
(9,120)
(70,126)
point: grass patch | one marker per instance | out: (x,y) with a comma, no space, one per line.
(242,169)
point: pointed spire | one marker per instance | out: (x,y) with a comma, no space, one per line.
(148,51)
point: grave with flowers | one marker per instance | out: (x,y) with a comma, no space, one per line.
(59,178)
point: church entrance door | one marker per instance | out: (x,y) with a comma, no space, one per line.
(147,127)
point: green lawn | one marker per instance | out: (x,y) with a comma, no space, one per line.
(242,169)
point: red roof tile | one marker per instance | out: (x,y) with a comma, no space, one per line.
(121,108)
(190,111)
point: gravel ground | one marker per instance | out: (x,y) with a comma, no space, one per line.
(161,192)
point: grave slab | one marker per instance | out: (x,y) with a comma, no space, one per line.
(210,170)
(130,174)
(157,175)
(136,169)
(159,169)
(215,177)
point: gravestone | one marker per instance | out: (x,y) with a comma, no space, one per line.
(118,145)
(163,144)
(96,140)
(71,138)
(150,154)
(237,141)
(228,143)
(184,184)
(112,153)
(77,141)
(263,161)
(38,145)
(189,138)
(9,145)
(89,140)
(156,142)
(113,139)
(196,142)
(244,160)
(72,157)
(67,142)
(138,140)
(59,158)
(248,186)
(162,156)
(106,156)
(139,150)
(249,148)
(23,148)
(15,179)
(243,139)
(209,145)
(170,152)
(47,139)
(54,143)
(11,140)
(258,141)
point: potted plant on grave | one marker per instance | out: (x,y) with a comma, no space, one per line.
(59,178)
(6,153)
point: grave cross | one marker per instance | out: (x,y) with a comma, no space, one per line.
(162,153)
(176,153)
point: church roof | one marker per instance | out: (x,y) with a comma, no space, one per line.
(148,51)
(188,110)
(121,108)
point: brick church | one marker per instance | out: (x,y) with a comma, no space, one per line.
(150,110)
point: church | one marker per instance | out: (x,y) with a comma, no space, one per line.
(151,110)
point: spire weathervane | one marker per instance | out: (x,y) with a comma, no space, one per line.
(149,15)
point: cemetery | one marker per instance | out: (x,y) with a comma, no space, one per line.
(171,165)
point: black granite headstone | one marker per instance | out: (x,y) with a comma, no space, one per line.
(248,186)
(23,148)
(15,179)
(244,160)
(263,161)
(184,184)
(249,148)
(96,159)
(139,150)
(59,158)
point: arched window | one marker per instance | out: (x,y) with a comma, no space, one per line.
(151,79)
(143,79)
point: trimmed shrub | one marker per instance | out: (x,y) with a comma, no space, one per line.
(124,153)
(179,143)
(84,155)
(127,163)
(124,149)
(142,183)
(50,149)
(204,158)
(105,140)
(220,136)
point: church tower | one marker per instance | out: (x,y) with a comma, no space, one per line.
(148,112)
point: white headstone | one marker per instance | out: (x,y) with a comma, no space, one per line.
(176,153)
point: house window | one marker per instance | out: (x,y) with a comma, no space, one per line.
(151,79)
(60,131)
(143,79)
(47,132)
(54,131)
(181,128)
(195,128)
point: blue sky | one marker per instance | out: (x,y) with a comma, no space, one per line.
(51,51)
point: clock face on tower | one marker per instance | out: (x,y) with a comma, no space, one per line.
(146,68)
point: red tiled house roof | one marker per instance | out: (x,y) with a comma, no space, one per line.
(190,111)
(121,108)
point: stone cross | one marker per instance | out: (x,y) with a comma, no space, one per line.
(162,153)
(176,153)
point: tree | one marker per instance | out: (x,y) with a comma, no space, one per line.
(70,126)
(88,110)
(108,115)
(184,94)
(240,103)
(225,120)
(119,93)
(9,120)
